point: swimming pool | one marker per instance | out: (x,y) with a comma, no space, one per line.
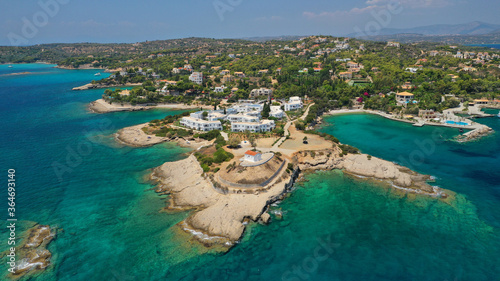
(457,123)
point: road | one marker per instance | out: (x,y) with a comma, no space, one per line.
(287,126)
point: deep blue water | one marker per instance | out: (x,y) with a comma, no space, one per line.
(334,227)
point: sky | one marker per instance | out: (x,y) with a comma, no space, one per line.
(29,22)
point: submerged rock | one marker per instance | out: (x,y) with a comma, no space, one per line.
(32,254)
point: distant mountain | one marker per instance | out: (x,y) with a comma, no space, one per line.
(471,28)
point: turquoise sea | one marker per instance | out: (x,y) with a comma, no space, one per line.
(334,227)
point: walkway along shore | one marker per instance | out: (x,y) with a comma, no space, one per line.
(476,132)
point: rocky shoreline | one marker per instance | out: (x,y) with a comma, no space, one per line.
(99,86)
(371,167)
(219,219)
(135,136)
(101,106)
(32,254)
(81,67)
(475,134)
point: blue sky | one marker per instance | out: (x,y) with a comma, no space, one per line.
(26,21)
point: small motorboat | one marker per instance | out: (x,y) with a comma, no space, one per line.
(461,130)
(498,115)
(10,66)
(97,74)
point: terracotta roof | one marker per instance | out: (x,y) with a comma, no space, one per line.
(253,153)
(404,94)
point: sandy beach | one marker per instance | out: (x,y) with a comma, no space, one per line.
(101,106)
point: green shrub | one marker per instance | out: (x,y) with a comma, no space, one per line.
(222,156)
(205,168)
(346,149)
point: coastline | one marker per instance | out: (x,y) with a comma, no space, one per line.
(219,220)
(368,166)
(32,252)
(78,68)
(220,217)
(134,136)
(101,106)
(90,86)
(476,130)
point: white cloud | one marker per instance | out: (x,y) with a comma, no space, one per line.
(413,3)
(373,5)
(353,11)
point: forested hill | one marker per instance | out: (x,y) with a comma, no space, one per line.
(58,53)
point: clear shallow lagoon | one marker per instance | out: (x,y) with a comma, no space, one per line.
(334,227)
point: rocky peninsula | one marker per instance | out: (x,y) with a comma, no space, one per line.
(371,167)
(219,219)
(135,136)
(221,214)
(227,196)
(101,106)
(103,86)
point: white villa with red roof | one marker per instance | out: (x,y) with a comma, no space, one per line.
(253,156)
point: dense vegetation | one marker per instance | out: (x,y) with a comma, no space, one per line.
(306,68)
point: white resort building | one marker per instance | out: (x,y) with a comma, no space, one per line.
(242,118)
(252,156)
(276,112)
(293,104)
(248,107)
(262,126)
(196,77)
(201,125)
(214,116)
(196,115)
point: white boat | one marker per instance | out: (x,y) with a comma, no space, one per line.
(97,74)
(10,66)
(498,115)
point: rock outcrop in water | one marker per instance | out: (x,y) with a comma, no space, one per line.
(475,134)
(32,255)
(219,219)
(367,166)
